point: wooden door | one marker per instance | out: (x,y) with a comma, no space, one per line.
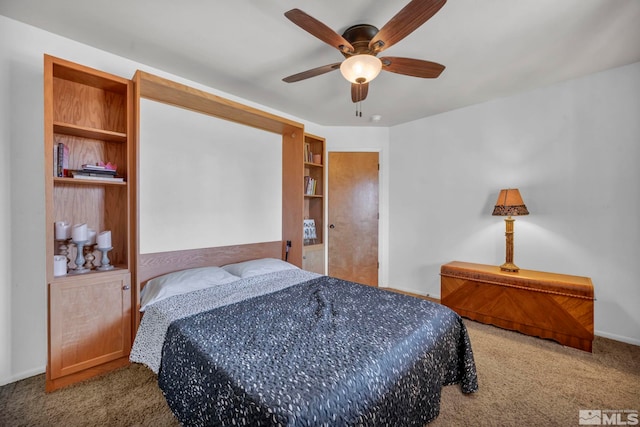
(353,216)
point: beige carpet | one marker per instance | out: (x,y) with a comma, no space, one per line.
(523,381)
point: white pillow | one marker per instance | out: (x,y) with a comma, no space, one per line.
(258,266)
(183,281)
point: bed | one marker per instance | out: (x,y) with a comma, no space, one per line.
(265,343)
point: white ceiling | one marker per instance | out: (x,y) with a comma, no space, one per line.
(491,48)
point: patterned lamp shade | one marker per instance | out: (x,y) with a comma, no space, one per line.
(510,203)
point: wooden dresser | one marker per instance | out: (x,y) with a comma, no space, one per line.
(546,305)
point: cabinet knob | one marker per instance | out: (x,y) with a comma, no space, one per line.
(332,226)
(125,288)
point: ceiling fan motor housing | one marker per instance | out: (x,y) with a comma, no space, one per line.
(359,36)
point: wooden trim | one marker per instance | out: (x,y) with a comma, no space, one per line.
(526,288)
(55,384)
(166,91)
(134,232)
(156,264)
(411,294)
(561,284)
(133,119)
(173,93)
(48,167)
(292,195)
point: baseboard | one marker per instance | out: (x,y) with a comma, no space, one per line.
(22,375)
(620,338)
(412,293)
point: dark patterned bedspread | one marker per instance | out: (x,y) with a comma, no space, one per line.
(324,352)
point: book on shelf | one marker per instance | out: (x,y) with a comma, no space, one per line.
(310,186)
(308,155)
(94,174)
(100,166)
(61,159)
(97,168)
(106,173)
(97,177)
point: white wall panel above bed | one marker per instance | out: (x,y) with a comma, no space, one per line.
(206,182)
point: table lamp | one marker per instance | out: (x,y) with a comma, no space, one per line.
(509,203)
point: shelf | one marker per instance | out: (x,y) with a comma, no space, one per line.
(315,165)
(70,277)
(87,132)
(66,70)
(313,195)
(312,246)
(76,181)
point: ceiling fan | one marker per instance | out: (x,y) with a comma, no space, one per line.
(360,44)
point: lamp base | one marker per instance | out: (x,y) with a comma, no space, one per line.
(509,266)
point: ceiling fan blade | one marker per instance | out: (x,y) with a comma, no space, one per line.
(312,73)
(318,29)
(413,15)
(412,67)
(359,91)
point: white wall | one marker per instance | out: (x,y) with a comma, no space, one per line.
(5,209)
(205,182)
(572,149)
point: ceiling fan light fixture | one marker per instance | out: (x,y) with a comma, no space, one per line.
(361,68)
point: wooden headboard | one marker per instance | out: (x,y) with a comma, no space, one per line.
(156,264)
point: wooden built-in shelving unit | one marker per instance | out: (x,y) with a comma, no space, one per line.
(93,316)
(89,314)
(314,160)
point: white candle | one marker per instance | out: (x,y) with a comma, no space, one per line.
(104,239)
(79,233)
(92,236)
(61,230)
(67,231)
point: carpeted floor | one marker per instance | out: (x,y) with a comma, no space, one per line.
(523,381)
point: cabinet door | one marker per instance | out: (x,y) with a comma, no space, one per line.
(313,258)
(89,321)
